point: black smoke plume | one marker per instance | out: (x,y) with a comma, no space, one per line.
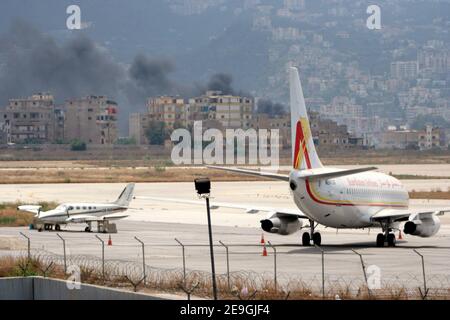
(270,108)
(221,82)
(33,62)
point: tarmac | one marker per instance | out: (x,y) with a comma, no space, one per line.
(157,224)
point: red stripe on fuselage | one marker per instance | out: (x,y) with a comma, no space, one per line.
(311,195)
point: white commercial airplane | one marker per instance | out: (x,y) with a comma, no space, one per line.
(82,212)
(334,197)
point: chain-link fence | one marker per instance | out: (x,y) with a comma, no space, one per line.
(246,270)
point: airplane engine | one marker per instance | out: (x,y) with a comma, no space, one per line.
(424,227)
(281,225)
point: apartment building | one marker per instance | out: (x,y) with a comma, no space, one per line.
(231,111)
(173,111)
(32,120)
(213,108)
(92,119)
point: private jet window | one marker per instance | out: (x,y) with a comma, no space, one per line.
(70,208)
(84,208)
(89,208)
(78,208)
(95,207)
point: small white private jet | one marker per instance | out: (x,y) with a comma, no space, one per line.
(334,197)
(82,212)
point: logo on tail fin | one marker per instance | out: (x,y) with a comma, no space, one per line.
(302,136)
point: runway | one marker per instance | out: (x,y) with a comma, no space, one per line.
(158,224)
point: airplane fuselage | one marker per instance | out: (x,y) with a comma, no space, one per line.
(347,201)
(70,210)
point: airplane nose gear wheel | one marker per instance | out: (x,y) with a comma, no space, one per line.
(316,237)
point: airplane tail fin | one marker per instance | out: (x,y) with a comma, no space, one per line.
(125,196)
(304,155)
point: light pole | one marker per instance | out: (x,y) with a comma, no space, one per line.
(203,187)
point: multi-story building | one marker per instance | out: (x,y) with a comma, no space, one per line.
(282,123)
(327,132)
(398,139)
(431,138)
(404,69)
(92,119)
(32,120)
(172,111)
(213,108)
(231,111)
(138,124)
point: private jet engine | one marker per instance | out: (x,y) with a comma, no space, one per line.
(283,225)
(423,226)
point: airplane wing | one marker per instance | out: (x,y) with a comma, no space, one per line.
(30,208)
(248,208)
(304,174)
(270,175)
(409,214)
(81,218)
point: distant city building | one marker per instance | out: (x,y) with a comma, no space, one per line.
(426,139)
(404,69)
(92,119)
(138,124)
(213,108)
(32,120)
(282,123)
(170,110)
(231,111)
(431,138)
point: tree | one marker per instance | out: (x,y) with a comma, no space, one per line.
(77,145)
(156,132)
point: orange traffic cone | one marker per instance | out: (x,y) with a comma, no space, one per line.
(109,241)
(400,235)
(262,239)
(264,254)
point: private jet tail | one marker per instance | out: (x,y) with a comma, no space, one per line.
(125,197)
(304,153)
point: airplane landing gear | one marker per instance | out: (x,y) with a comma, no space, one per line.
(57,227)
(380,240)
(388,237)
(317,238)
(306,239)
(391,240)
(314,236)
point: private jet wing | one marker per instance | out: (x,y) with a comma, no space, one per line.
(247,208)
(80,218)
(30,208)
